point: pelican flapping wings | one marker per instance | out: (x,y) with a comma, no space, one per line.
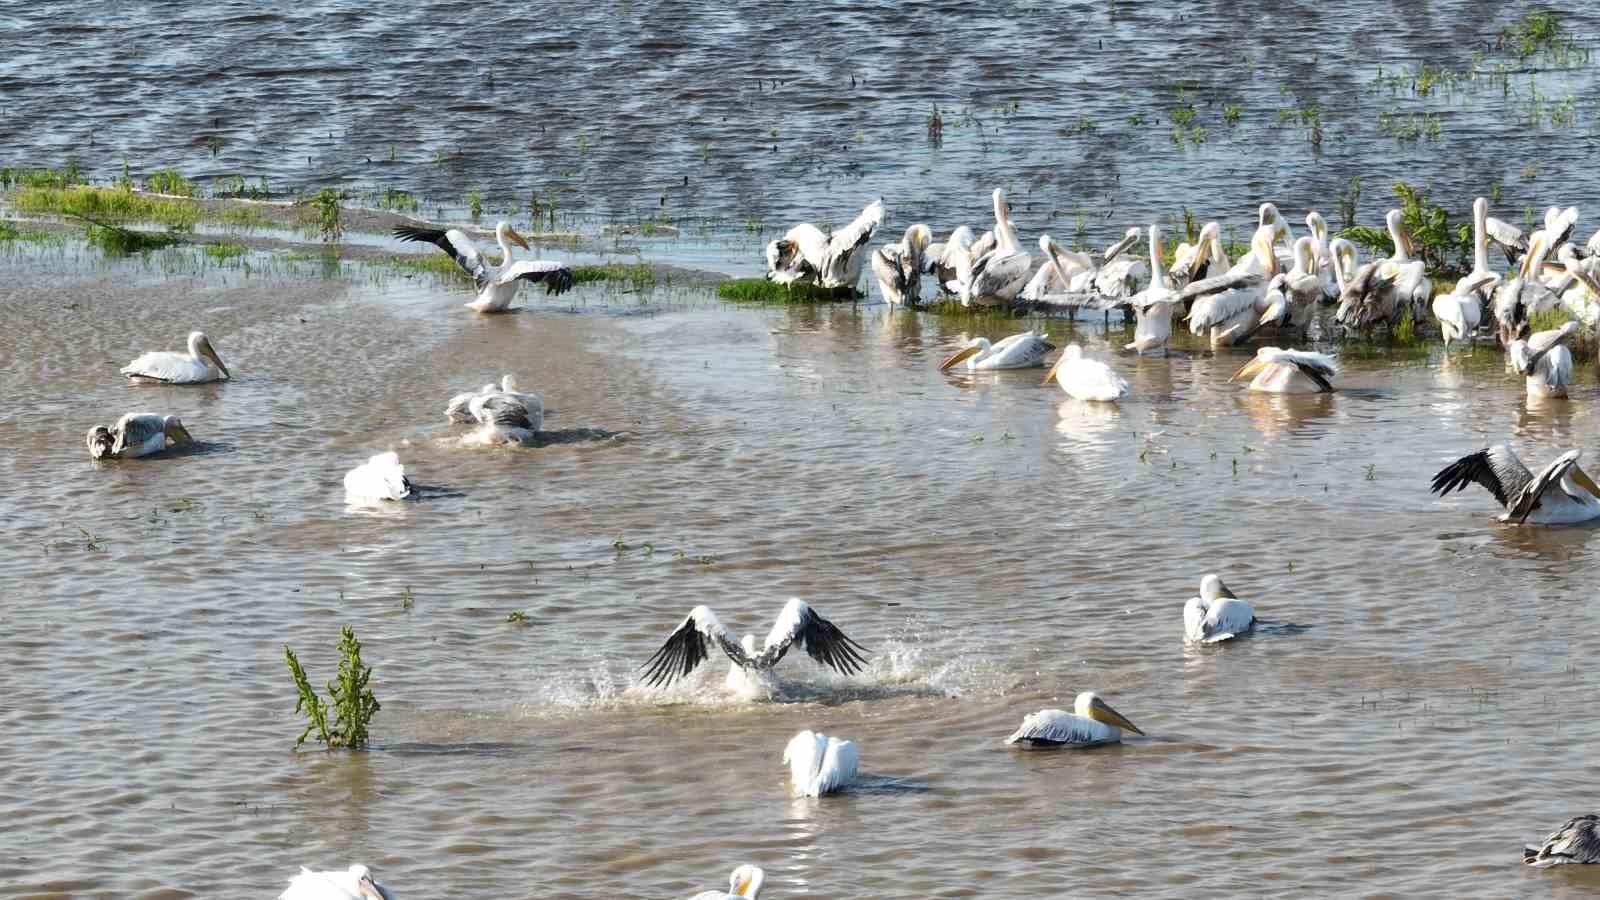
(805,254)
(687,647)
(135,435)
(497,285)
(1578,841)
(1560,494)
(1091,722)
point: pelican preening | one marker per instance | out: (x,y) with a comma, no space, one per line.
(898,267)
(199,365)
(1560,494)
(1577,842)
(136,435)
(1278,371)
(1228,307)
(1063,271)
(355,883)
(744,884)
(1019,351)
(1121,272)
(497,284)
(819,764)
(1092,722)
(1460,310)
(1544,361)
(749,673)
(381,477)
(804,254)
(504,415)
(1086,379)
(1216,615)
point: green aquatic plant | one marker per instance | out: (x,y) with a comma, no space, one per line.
(396,200)
(406,599)
(759,290)
(224,252)
(350,701)
(168,181)
(1231,112)
(1445,250)
(326,212)
(1349,201)
(639,275)
(109,205)
(517,617)
(475,204)
(1540,31)
(935,127)
(58,179)
(115,240)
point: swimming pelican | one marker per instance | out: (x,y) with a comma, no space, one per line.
(1289,371)
(1120,272)
(1578,841)
(898,267)
(819,764)
(1292,296)
(1227,308)
(457,410)
(355,883)
(997,277)
(1544,360)
(505,418)
(497,284)
(1216,615)
(1086,379)
(805,254)
(381,477)
(1019,351)
(1322,256)
(1064,271)
(1091,722)
(744,884)
(137,434)
(749,673)
(202,364)
(1200,260)
(1459,311)
(1559,495)
(1153,306)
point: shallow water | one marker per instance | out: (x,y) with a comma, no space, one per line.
(997,546)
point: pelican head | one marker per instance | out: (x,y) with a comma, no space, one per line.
(1404,250)
(1002,209)
(1318,226)
(1073,352)
(1344,259)
(746,881)
(1129,238)
(200,349)
(508,384)
(1305,255)
(1261,246)
(1574,265)
(173,427)
(1090,706)
(1264,357)
(1212,589)
(1269,215)
(919,236)
(365,885)
(1580,477)
(974,347)
(100,442)
(504,232)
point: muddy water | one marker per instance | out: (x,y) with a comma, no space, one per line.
(997,546)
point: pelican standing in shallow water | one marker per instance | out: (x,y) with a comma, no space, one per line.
(1216,615)
(1560,494)
(1460,310)
(135,435)
(898,267)
(1226,309)
(998,276)
(497,285)
(1091,722)
(1577,842)
(1153,306)
(199,365)
(1086,379)
(1064,271)
(355,883)
(750,673)
(805,254)
(1289,371)
(1121,272)
(1019,351)
(1544,361)
(819,764)
(381,477)
(744,884)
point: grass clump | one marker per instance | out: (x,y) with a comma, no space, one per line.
(760,290)
(324,214)
(396,200)
(224,252)
(109,206)
(236,188)
(432,264)
(168,181)
(639,275)
(115,240)
(40,178)
(1548,320)
(350,700)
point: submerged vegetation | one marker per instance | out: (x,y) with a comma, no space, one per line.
(760,290)
(350,700)
(108,206)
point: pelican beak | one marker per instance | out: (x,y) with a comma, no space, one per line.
(1224,592)
(1052,373)
(1101,711)
(210,353)
(179,434)
(1577,271)
(958,357)
(369,889)
(1584,481)
(517,238)
(742,886)
(1249,369)
(1119,246)
(1535,251)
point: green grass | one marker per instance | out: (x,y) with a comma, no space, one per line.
(350,700)
(760,290)
(11,177)
(396,200)
(432,264)
(169,181)
(639,275)
(243,218)
(224,252)
(109,205)
(117,241)
(1548,320)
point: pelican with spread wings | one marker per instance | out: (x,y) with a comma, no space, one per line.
(805,254)
(1560,494)
(497,285)
(750,673)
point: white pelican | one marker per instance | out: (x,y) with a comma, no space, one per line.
(1198,261)
(1559,495)
(1153,306)
(1558,225)
(457,410)
(1227,308)
(201,364)
(1460,310)
(1480,255)
(505,418)
(1064,271)
(1582,298)
(819,764)
(942,259)
(1282,234)
(497,284)
(1410,275)
(137,434)
(1593,246)
(381,477)
(749,673)
(1086,379)
(1292,296)
(898,267)
(1019,351)
(805,254)
(744,884)
(1091,722)
(1367,296)
(1578,841)
(1544,360)
(355,883)
(1289,371)
(1216,615)
(999,275)
(1322,255)
(1120,272)
(1525,295)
